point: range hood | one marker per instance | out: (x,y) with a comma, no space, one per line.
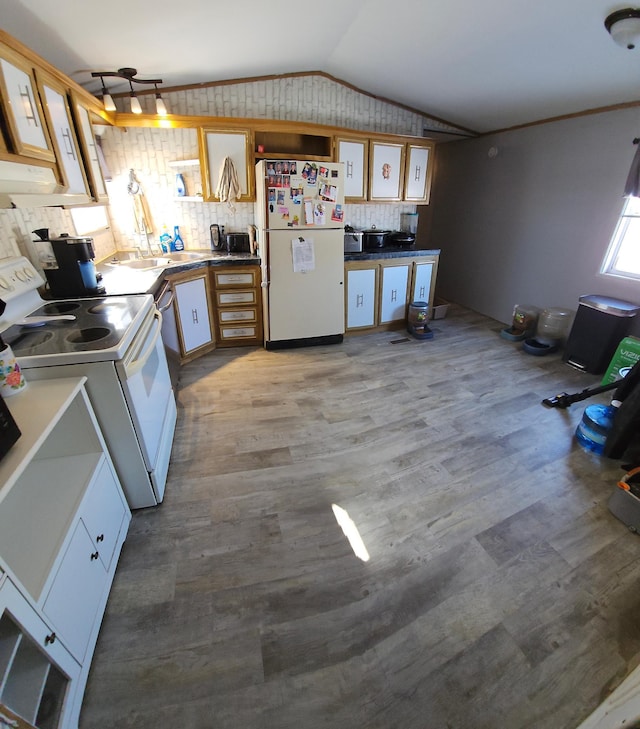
(32,186)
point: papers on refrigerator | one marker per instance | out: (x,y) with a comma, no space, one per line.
(303,255)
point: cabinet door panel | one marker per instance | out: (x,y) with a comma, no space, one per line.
(215,147)
(422,283)
(193,313)
(103,513)
(75,594)
(361,298)
(417,174)
(354,155)
(90,151)
(393,299)
(65,140)
(21,106)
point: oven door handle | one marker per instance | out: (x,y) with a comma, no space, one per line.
(137,364)
(166,306)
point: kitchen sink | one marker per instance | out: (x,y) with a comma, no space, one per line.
(142,263)
(125,259)
(185,256)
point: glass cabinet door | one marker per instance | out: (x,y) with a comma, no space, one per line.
(21,108)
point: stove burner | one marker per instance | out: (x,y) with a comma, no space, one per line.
(29,340)
(107,306)
(82,336)
(60,307)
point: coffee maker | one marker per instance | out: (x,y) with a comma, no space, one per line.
(70,272)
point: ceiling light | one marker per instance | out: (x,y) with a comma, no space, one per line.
(107,99)
(129,74)
(624,27)
(161,107)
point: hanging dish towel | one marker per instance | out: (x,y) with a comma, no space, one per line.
(141,212)
(228,189)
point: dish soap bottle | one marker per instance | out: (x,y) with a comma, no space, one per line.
(178,243)
(165,240)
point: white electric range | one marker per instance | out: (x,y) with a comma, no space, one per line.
(115,342)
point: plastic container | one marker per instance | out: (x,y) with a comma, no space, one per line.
(417,320)
(523,325)
(409,223)
(181,188)
(593,429)
(178,243)
(165,240)
(553,325)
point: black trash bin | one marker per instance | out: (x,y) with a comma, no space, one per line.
(600,323)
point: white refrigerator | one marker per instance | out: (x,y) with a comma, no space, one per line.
(300,233)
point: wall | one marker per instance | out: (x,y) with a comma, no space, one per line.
(531,225)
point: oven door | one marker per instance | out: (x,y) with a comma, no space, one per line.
(144,376)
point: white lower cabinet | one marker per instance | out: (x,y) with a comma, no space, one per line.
(362,284)
(393,294)
(379,291)
(192,311)
(422,277)
(37,673)
(63,520)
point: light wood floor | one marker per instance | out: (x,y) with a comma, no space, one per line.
(500,592)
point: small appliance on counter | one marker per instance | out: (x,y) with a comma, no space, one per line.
(352,240)
(237,242)
(409,223)
(218,240)
(400,239)
(68,265)
(374,238)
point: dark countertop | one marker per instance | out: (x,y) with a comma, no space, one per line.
(120,280)
(390,252)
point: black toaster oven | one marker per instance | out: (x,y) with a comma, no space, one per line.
(237,242)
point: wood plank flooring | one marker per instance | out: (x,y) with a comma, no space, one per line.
(500,591)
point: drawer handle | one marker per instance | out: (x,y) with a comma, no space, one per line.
(50,639)
(94,555)
(100,538)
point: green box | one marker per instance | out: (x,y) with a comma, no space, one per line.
(627,354)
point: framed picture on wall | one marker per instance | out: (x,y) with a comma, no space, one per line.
(386,169)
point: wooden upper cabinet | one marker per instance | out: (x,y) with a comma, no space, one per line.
(418,173)
(24,117)
(353,152)
(53,95)
(89,148)
(386,171)
(215,146)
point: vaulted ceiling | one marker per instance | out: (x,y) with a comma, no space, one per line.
(482,65)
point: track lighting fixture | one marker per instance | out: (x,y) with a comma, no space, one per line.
(129,74)
(161,108)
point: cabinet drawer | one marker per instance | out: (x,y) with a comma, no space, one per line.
(238,332)
(235,315)
(234,279)
(235,297)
